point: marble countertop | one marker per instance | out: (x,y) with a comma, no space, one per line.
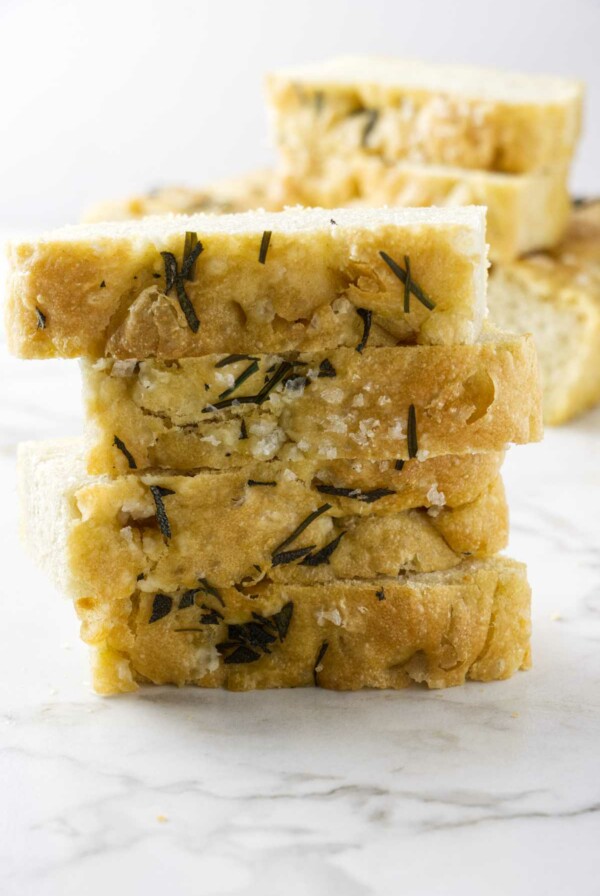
(486,789)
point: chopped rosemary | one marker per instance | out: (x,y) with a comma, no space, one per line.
(103,284)
(399,465)
(367,317)
(324,554)
(322,651)
(248,641)
(124,450)
(368,497)
(188,599)
(372,116)
(380,595)
(192,248)
(264,246)
(411,432)
(233,359)
(326,369)
(158,493)
(212,616)
(243,431)
(407,285)
(331,221)
(282,557)
(259,398)
(41,319)
(173,278)
(210,589)
(244,375)
(253,482)
(303,525)
(161,606)
(402,275)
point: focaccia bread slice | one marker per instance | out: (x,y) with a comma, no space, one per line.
(164,533)
(438,629)
(256,189)
(555,296)
(301,279)
(524,211)
(401,110)
(382,403)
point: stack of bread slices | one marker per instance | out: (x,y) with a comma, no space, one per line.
(290,473)
(363,131)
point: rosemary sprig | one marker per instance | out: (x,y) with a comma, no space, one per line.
(303,525)
(367,317)
(319,658)
(161,606)
(244,375)
(158,493)
(367,497)
(41,319)
(118,443)
(264,246)
(402,275)
(411,432)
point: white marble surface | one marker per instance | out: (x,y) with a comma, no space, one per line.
(486,789)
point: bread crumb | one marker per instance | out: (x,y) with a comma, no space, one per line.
(161,819)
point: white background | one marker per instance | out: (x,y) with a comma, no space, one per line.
(102,98)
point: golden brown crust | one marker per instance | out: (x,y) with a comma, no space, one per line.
(466,399)
(438,629)
(101,289)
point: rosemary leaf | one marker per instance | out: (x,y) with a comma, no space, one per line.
(158,493)
(324,554)
(41,319)
(367,317)
(399,465)
(264,246)
(233,359)
(303,525)
(123,449)
(210,589)
(326,369)
(320,655)
(367,497)
(253,482)
(416,290)
(411,432)
(282,557)
(161,606)
(380,595)
(244,375)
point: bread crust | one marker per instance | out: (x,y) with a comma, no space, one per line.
(465,398)
(103,289)
(438,629)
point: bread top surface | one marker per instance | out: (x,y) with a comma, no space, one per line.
(469,81)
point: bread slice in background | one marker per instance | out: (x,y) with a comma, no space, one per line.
(555,296)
